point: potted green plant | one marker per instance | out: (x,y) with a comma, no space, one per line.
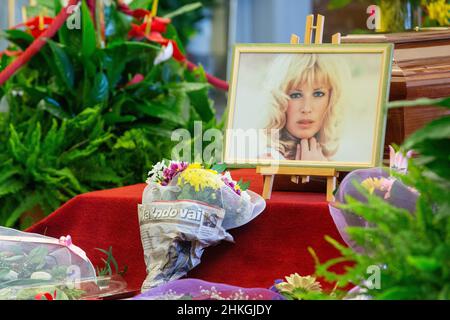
(83,116)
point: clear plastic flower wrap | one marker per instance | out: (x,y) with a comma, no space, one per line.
(194,289)
(186,208)
(378,181)
(33,266)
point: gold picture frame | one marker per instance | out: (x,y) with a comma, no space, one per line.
(379,57)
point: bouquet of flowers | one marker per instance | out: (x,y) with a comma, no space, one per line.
(33,266)
(186,208)
(379,181)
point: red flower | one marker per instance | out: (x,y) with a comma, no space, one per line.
(158,26)
(136,79)
(34,25)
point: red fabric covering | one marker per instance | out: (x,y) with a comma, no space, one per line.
(270,247)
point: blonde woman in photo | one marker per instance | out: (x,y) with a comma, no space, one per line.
(305,104)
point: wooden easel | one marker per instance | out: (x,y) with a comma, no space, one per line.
(331,174)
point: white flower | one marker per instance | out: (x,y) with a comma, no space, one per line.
(227,176)
(156,174)
(297,282)
(165,54)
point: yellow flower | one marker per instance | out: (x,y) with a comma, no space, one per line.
(200,178)
(212,171)
(297,282)
(439,11)
(195,165)
(372,184)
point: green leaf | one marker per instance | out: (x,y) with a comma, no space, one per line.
(445,103)
(200,100)
(63,64)
(171,33)
(423,263)
(220,167)
(4,63)
(37,255)
(188,86)
(243,185)
(26,204)
(112,118)
(419,102)
(437,129)
(63,32)
(53,107)
(162,111)
(110,259)
(136,4)
(9,187)
(133,47)
(88,43)
(338,4)
(116,24)
(8,170)
(100,90)
(184,9)
(19,37)
(57,6)
(17,148)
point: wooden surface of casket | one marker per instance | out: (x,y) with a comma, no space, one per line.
(421,68)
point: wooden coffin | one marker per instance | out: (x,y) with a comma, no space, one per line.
(421,68)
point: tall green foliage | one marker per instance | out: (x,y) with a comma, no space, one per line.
(71,120)
(412,250)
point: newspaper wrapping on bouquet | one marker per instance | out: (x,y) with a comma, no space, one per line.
(33,266)
(185,212)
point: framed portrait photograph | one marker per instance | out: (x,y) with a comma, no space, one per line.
(308,105)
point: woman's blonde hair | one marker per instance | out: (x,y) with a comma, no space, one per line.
(289,71)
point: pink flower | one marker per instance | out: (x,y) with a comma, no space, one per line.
(65,241)
(226,178)
(386,185)
(173,169)
(136,79)
(398,161)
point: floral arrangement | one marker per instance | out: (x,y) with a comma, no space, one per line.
(405,235)
(185,209)
(163,173)
(27,270)
(35,267)
(93,105)
(197,181)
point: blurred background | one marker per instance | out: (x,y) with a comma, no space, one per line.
(122,108)
(211,32)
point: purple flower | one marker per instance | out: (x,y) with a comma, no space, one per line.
(226,178)
(172,170)
(273,288)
